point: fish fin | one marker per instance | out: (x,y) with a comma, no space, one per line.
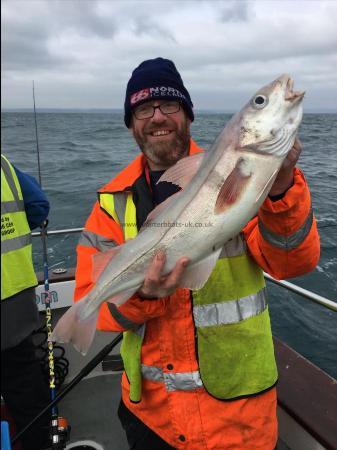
(196,275)
(267,186)
(232,187)
(70,328)
(158,209)
(183,171)
(121,298)
(101,259)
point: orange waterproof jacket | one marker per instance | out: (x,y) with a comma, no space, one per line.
(283,240)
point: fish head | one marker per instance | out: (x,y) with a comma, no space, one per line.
(269,122)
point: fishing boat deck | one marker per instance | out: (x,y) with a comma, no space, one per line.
(307,399)
(91,409)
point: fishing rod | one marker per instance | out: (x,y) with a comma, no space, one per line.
(59,427)
(58,438)
(85,371)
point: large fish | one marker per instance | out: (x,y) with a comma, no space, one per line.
(221,191)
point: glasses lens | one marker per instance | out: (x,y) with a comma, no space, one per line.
(146,111)
(143,111)
(170,107)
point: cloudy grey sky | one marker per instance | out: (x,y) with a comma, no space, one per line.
(81,52)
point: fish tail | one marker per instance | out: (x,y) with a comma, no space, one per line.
(71,328)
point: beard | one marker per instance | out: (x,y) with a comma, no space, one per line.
(165,153)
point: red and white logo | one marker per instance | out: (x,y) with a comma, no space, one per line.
(139,96)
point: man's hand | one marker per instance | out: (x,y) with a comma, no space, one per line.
(285,177)
(157,285)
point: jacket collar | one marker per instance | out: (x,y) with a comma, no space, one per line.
(126,178)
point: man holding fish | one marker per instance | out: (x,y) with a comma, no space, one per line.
(173,253)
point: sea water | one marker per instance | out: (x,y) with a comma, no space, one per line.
(81,151)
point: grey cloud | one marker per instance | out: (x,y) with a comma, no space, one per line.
(236,11)
(26,47)
(26,44)
(145,26)
(278,48)
(215,45)
(83,17)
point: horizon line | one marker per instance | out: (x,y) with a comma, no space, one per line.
(96,109)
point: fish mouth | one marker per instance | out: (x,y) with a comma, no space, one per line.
(290,94)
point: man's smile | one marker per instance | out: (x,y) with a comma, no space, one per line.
(160,133)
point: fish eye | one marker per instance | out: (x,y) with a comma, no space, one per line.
(259,101)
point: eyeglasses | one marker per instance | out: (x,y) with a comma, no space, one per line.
(146,111)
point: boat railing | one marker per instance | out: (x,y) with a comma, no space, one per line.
(56,232)
(282,283)
(303,292)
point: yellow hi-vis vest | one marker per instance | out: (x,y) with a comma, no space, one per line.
(235,347)
(17,271)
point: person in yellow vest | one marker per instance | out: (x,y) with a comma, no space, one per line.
(24,207)
(200,371)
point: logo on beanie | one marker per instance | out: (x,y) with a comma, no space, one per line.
(157,92)
(140,96)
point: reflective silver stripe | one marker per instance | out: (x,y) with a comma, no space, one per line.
(90,239)
(12,206)
(9,178)
(235,247)
(180,381)
(183,381)
(232,311)
(119,318)
(152,373)
(120,205)
(141,330)
(120,201)
(9,245)
(287,242)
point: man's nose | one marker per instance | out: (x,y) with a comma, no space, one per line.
(158,116)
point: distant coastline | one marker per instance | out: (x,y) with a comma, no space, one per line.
(119,110)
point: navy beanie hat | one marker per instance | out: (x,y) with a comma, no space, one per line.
(156,79)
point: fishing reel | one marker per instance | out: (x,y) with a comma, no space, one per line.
(60,433)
